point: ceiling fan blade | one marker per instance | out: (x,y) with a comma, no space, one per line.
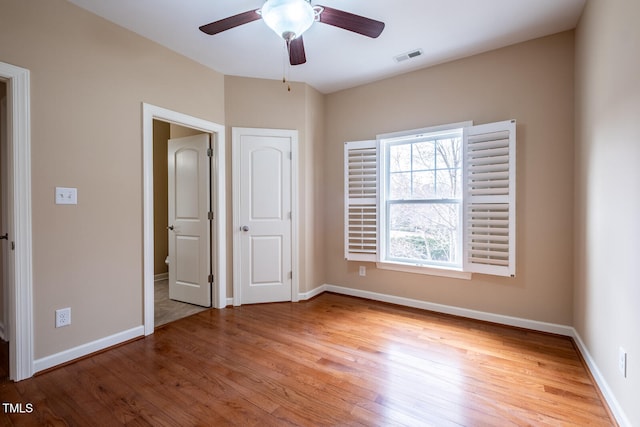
(351,22)
(230,22)
(296,51)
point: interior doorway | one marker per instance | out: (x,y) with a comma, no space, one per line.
(167,308)
(4,312)
(151,114)
(18,274)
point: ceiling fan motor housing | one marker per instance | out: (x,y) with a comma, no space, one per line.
(288,18)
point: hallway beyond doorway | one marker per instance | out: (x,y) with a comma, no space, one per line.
(168,310)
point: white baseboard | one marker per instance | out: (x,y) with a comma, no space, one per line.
(457,311)
(312,293)
(615,407)
(86,349)
(161,276)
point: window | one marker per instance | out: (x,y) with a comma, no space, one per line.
(421,199)
(441,197)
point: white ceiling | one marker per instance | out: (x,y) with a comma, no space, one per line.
(339,59)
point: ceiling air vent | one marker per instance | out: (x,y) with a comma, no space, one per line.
(409,55)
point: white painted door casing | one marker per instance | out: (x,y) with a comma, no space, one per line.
(20,293)
(218,176)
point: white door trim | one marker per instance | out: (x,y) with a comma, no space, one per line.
(235,170)
(21,288)
(149,113)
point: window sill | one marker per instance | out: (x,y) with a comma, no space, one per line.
(432,271)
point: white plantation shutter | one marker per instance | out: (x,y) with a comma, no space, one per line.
(489,175)
(361,205)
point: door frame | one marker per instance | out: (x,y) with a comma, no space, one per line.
(237,235)
(20,304)
(218,187)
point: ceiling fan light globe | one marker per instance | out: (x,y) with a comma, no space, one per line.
(286,17)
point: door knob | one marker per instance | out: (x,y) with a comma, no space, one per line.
(244,228)
(170,227)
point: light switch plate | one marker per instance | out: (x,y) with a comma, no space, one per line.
(66,196)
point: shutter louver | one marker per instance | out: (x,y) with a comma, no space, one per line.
(361,211)
(489,202)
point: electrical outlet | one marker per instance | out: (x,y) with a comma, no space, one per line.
(363,270)
(622,361)
(63,317)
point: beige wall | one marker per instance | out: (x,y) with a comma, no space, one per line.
(531,82)
(177,131)
(257,103)
(88,80)
(313,193)
(607,289)
(161,134)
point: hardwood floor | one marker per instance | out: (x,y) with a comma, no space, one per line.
(333,360)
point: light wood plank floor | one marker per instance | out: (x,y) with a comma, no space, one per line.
(167,310)
(333,360)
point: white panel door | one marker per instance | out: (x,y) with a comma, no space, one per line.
(263,235)
(189,224)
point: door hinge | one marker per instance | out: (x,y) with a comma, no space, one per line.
(290,215)
(210,152)
(210,216)
(291,275)
(210,278)
(290,155)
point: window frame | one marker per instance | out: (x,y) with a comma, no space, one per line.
(384,141)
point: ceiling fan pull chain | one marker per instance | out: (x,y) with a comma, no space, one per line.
(286,67)
(284,64)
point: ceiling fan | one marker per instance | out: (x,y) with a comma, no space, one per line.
(290,18)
